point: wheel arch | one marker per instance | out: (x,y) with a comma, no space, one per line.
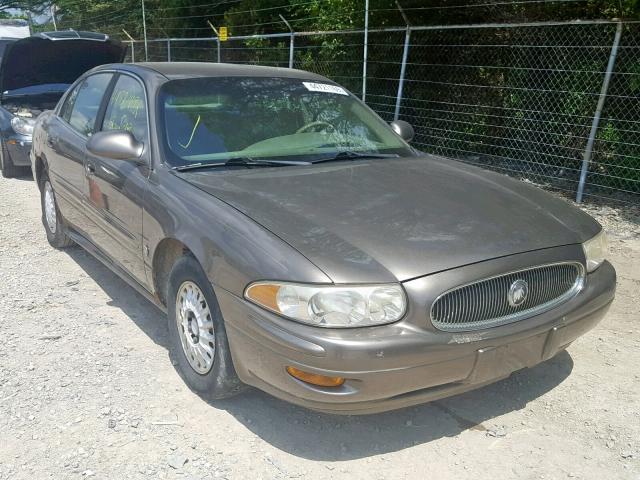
(39,166)
(166,254)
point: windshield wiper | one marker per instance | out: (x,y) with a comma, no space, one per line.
(238,162)
(351,155)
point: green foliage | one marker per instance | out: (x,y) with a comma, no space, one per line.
(188,18)
(539,115)
(10,15)
(26,5)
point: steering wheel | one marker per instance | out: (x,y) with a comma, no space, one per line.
(317,123)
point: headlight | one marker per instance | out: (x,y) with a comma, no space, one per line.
(595,251)
(23,126)
(331,306)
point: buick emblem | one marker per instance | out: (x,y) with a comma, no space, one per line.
(518,293)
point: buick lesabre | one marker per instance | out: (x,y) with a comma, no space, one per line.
(300,245)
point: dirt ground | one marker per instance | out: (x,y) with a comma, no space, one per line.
(87,390)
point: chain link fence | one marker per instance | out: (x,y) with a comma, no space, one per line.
(554,103)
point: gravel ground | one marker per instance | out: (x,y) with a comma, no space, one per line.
(87,390)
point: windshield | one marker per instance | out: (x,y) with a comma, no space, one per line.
(216,119)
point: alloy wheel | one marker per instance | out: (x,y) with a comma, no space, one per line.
(195,327)
(50,207)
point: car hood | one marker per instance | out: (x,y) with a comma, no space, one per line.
(398,219)
(41,60)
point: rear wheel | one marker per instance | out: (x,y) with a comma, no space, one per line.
(197,335)
(51,218)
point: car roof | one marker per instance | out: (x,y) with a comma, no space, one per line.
(181,70)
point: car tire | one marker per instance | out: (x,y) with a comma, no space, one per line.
(51,218)
(9,170)
(197,335)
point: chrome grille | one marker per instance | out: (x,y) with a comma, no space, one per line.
(486,303)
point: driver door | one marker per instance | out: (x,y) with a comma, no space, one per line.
(115,188)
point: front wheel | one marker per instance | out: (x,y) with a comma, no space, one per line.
(51,218)
(197,335)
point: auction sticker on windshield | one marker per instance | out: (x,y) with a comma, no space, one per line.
(325,88)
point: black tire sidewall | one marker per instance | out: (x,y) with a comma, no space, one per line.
(58,239)
(221,381)
(9,170)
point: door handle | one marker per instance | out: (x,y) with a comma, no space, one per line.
(91,168)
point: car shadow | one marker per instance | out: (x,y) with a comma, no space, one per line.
(318,436)
(25,176)
(149,318)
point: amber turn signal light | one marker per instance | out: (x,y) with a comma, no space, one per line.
(265,295)
(315,379)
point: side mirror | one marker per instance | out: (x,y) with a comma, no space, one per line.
(403,129)
(115,144)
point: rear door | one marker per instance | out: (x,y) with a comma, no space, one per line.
(115,188)
(67,136)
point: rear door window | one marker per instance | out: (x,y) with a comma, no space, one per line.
(67,106)
(84,103)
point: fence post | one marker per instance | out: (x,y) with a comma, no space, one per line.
(291,49)
(215,30)
(133,51)
(403,68)
(168,49)
(291,40)
(586,159)
(144,30)
(366,48)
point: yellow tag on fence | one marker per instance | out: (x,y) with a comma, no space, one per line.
(224,34)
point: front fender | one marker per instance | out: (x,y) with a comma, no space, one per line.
(232,248)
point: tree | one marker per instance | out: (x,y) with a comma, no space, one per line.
(8,7)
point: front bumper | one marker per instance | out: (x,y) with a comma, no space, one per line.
(17,147)
(406,363)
